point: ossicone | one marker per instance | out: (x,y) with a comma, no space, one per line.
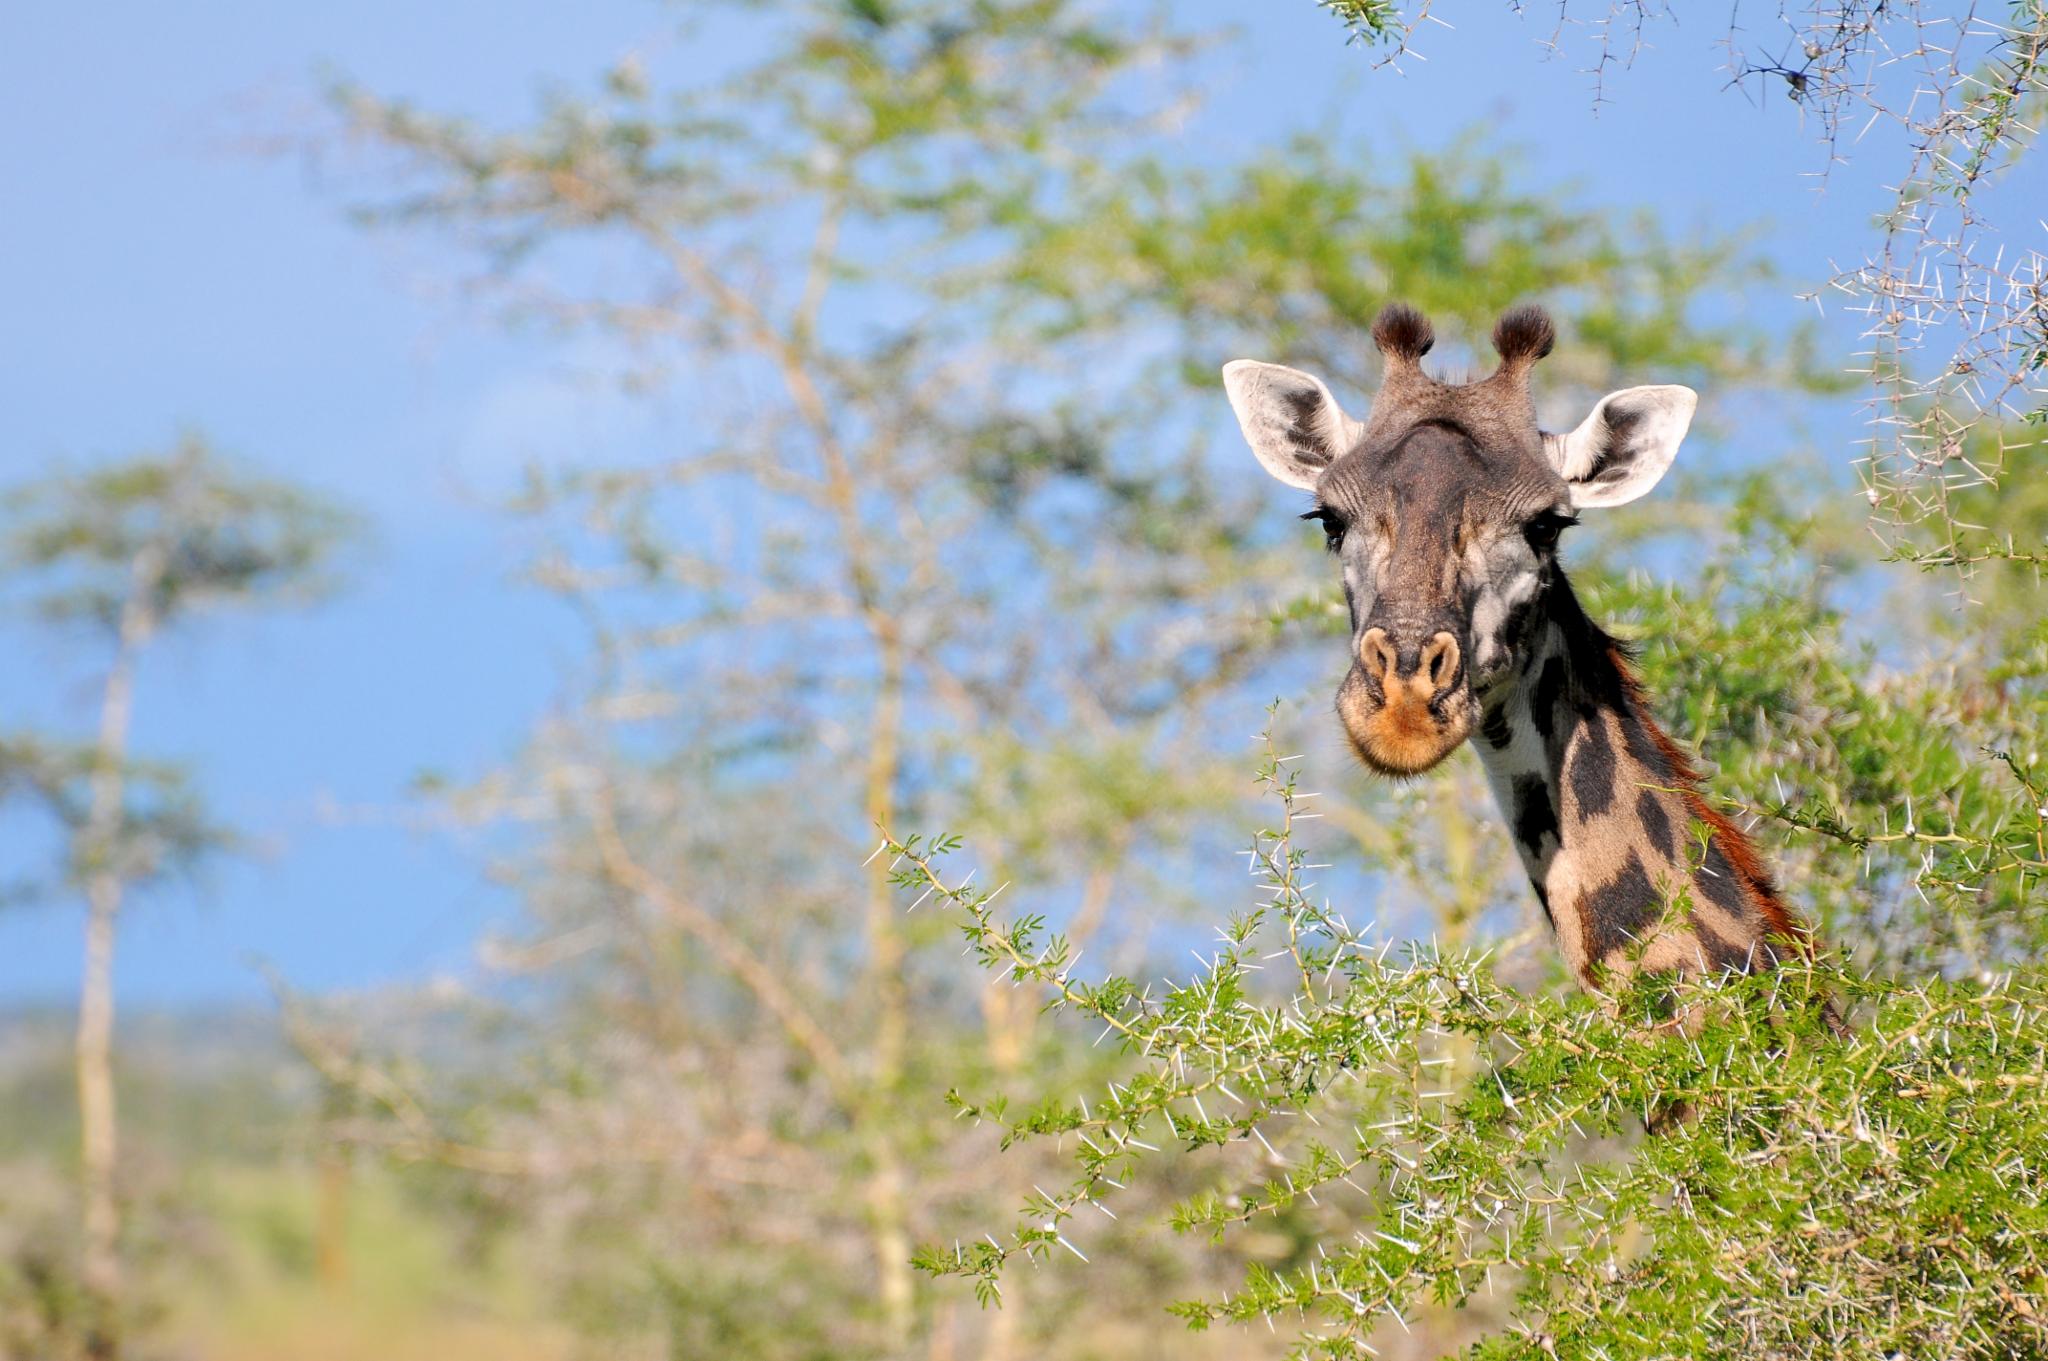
(1523,335)
(1402,333)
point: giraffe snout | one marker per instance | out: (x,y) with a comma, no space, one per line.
(1401,704)
(1423,669)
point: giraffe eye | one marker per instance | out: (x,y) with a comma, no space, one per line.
(1542,531)
(1333,526)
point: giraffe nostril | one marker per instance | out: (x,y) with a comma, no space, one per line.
(1440,661)
(1376,652)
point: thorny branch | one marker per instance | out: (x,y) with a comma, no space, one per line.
(1475,1128)
(732,954)
(1952,296)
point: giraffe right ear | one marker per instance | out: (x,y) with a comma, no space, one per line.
(1289,418)
(1620,451)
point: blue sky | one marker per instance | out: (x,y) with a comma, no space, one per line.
(163,266)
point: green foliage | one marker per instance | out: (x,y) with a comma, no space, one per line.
(1368,21)
(132,547)
(219,534)
(1437,1139)
(1994,559)
(164,828)
(1296,253)
(1956,332)
(734,1305)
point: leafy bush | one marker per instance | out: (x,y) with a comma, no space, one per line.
(1432,1138)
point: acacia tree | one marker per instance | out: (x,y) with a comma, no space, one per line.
(127,551)
(947,531)
(1951,292)
(1432,1138)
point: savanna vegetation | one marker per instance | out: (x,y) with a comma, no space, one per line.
(955,624)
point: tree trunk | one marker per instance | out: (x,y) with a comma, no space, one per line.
(888,1210)
(100,1262)
(330,1230)
(100,1217)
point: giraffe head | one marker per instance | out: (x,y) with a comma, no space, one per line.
(1444,508)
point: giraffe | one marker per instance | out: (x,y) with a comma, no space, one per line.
(1444,507)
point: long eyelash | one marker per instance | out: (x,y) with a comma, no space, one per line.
(1333,526)
(1543,532)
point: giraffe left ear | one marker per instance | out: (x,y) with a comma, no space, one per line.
(1620,451)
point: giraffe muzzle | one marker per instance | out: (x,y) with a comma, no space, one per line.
(1405,704)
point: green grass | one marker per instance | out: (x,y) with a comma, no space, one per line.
(400,1287)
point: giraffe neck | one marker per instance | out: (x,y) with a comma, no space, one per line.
(1631,865)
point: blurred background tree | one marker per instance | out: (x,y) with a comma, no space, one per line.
(126,551)
(1951,290)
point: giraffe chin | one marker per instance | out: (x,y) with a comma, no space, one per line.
(1405,736)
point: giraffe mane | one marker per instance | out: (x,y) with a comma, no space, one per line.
(1736,847)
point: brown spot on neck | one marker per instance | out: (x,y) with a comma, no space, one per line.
(1607,679)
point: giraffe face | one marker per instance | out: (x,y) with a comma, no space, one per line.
(1443,509)
(1447,550)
